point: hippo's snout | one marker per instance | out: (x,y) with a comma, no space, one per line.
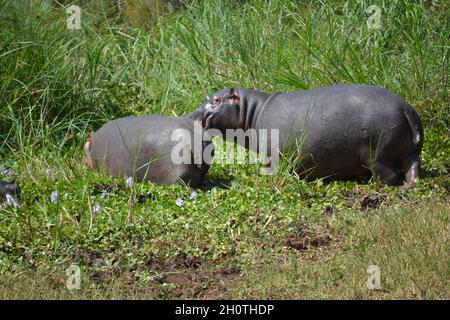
(9,194)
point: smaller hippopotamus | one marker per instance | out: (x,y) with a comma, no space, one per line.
(149,148)
(9,194)
(343,131)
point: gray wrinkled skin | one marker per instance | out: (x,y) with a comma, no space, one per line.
(141,147)
(344,131)
(9,195)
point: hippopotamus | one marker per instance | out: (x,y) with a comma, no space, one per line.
(9,194)
(143,147)
(343,131)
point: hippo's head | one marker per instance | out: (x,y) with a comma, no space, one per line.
(9,194)
(221,111)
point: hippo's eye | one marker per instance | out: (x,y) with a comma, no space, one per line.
(216,100)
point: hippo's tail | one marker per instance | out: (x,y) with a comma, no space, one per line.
(415,126)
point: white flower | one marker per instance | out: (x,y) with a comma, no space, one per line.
(179,202)
(129,182)
(194,195)
(54,197)
(96,208)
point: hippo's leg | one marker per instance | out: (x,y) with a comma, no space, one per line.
(87,156)
(387,172)
(411,168)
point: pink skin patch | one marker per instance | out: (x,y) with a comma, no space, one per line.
(87,158)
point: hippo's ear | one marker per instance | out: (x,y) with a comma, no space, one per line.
(233,92)
(233,96)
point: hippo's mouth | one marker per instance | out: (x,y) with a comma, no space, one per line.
(207,120)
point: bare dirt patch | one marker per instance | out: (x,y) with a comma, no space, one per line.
(181,276)
(100,188)
(313,242)
(368,200)
(188,277)
(372,200)
(307,243)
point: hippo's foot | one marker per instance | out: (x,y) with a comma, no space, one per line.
(411,167)
(387,173)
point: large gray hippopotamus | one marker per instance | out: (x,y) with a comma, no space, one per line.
(141,147)
(344,131)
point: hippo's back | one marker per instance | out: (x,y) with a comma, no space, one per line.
(141,147)
(350,111)
(342,126)
(349,102)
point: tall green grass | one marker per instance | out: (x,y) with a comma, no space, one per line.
(54,80)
